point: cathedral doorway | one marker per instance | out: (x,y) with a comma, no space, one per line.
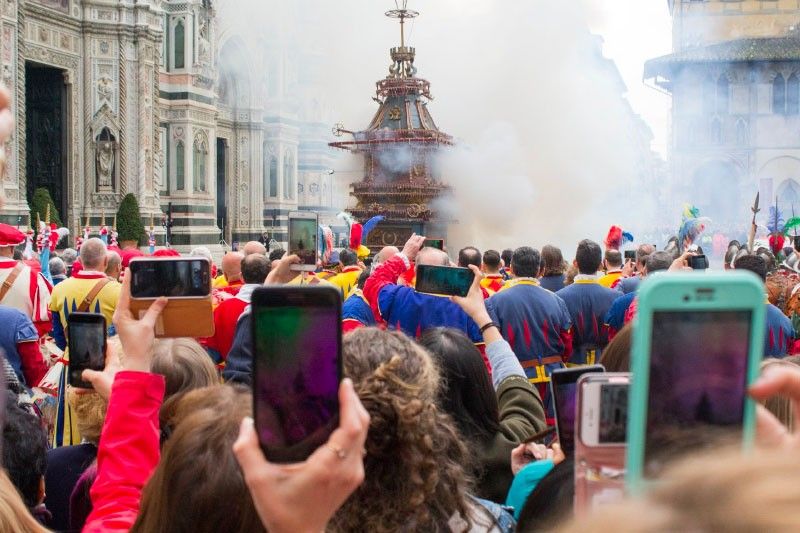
(222,209)
(46,133)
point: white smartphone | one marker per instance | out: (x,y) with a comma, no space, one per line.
(604,409)
(303,238)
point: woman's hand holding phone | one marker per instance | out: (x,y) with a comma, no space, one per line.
(777,381)
(304,496)
(525,454)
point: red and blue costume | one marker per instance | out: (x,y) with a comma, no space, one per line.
(409,311)
(780,333)
(587,302)
(537,325)
(356,313)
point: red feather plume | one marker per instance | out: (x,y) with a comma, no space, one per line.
(614,239)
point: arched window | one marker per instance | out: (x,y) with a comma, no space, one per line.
(200,153)
(779,95)
(723,89)
(270,174)
(741,132)
(789,195)
(180,44)
(180,166)
(288,176)
(716,131)
(793,95)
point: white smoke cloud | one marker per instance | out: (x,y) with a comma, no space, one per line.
(546,148)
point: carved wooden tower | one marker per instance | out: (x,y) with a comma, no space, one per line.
(401,178)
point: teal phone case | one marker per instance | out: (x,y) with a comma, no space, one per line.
(667,292)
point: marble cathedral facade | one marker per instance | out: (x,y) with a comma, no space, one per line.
(161,99)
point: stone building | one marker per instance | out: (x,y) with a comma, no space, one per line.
(164,99)
(734,77)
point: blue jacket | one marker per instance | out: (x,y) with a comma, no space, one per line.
(587,302)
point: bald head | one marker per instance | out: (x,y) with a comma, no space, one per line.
(433,257)
(386,253)
(93,255)
(114,266)
(254,247)
(232,266)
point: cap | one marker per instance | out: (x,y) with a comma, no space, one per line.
(10,236)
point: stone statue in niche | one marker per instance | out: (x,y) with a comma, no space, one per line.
(105,160)
(204,43)
(105,88)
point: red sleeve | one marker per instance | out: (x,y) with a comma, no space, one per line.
(566,340)
(43,328)
(386,274)
(128,451)
(351,324)
(33,365)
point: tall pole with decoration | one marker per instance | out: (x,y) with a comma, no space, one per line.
(103,228)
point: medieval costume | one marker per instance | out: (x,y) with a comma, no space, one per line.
(587,302)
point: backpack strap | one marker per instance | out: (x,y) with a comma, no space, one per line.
(84,307)
(12,277)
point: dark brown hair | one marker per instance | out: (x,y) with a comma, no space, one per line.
(198,486)
(552,261)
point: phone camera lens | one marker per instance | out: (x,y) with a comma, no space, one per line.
(686,298)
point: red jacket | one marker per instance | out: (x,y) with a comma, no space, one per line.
(128,452)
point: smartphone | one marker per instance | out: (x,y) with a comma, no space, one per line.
(698,262)
(698,340)
(604,409)
(600,440)
(186,282)
(297,367)
(303,240)
(434,243)
(173,277)
(450,281)
(87,346)
(630,255)
(796,243)
(563,390)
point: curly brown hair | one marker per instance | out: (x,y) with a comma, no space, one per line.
(414,478)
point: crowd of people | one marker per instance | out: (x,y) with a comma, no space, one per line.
(444,403)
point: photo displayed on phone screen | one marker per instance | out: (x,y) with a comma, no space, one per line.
(450,281)
(296,379)
(86,350)
(171,278)
(698,376)
(303,239)
(613,427)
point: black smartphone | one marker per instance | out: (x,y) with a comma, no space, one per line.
(173,277)
(698,262)
(796,242)
(297,367)
(564,391)
(303,238)
(630,255)
(434,243)
(450,281)
(87,346)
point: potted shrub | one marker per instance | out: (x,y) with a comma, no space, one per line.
(129,222)
(41,199)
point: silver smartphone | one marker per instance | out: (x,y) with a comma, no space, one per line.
(303,239)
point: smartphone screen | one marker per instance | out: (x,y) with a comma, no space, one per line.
(604,412)
(303,240)
(698,376)
(434,243)
(630,255)
(174,278)
(87,346)
(565,394)
(297,369)
(451,281)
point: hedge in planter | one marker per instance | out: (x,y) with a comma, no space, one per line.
(41,199)
(129,220)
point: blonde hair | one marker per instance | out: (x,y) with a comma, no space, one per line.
(780,406)
(90,413)
(14,514)
(718,491)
